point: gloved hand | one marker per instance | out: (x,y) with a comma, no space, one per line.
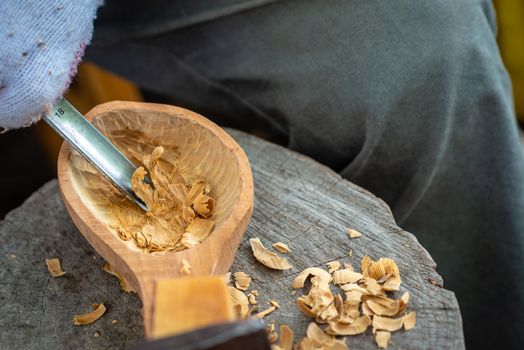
(41,44)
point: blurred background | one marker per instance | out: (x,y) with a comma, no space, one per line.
(28,155)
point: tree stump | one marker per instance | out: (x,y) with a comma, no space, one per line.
(297,201)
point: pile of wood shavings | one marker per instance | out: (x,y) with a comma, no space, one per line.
(364,302)
(180,206)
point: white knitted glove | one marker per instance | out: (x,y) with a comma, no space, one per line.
(41,44)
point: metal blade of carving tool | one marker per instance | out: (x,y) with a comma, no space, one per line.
(95,147)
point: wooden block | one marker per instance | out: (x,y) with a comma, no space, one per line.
(184,304)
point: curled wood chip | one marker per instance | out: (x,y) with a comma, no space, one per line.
(272,335)
(380,269)
(275,303)
(410,320)
(366,310)
(227,278)
(383,306)
(352,233)
(387,324)
(382,339)
(372,286)
(286,339)
(185,269)
(242,280)
(317,339)
(123,282)
(268,258)
(333,266)
(239,301)
(266,312)
(281,247)
(345,276)
(90,317)
(356,327)
(319,297)
(403,302)
(252,298)
(53,265)
(198,230)
(302,306)
(300,280)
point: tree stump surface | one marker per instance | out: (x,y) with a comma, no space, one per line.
(297,201)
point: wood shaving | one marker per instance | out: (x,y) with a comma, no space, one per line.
(275,303)
(268,258)
(185,269)
(242,280)
(180,204)
(333,266)
(53,265)
(123,282)
(281,247)
(360,325)
(286,339)
(345,276)
(90,317)
(114,322)
(266,312)
(198,230)
(352,233)
(239,301)
(252,298)
(410,320)
(381,309)
(382,339)
(317,339)
(272,335)
(318,300)
(299,281)
(387,324)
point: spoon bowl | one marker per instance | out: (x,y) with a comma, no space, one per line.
(205,149)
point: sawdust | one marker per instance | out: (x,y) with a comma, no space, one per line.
(382,338)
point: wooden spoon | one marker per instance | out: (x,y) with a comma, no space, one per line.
(204,147)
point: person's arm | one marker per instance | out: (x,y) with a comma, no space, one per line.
(42,43)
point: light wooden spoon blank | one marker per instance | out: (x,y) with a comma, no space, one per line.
(204,146)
